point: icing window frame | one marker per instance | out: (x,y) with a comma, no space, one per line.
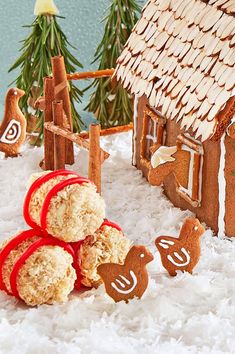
(153,120)
(193,193)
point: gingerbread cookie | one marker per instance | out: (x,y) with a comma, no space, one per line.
(124,282)
(182,253)
(13,126)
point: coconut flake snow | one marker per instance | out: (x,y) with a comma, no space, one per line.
(185,314)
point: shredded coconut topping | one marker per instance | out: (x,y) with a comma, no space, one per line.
(45,278)
(74,213)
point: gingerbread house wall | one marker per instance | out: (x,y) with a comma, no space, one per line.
(230,186)
(209,210)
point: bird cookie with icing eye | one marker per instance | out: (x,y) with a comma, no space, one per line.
(181,253)
(124,282)
(13,127)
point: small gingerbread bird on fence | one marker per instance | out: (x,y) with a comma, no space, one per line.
(13,127)
(124,282)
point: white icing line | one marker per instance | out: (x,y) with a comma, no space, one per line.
(163,245)
(189,190)
(150,137)
(136,101)
(120,283)
(169,242)
(222,189)
(190,178)
(126,292)
(183,250)
(12,132)
(178,256)
(154,136)
(125,279)
(200,176)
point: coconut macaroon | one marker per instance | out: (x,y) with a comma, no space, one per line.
(106,245)
(74,212)
(46,277)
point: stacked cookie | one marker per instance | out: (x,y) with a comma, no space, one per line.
(68,240)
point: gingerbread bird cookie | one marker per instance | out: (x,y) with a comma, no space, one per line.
(124,282)
(13,127)
(181,253)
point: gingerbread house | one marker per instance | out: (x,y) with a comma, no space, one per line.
(179,65)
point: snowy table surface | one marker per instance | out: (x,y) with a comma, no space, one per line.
(185,314)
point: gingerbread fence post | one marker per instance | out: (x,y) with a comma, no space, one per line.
(62,93)
(59,141)
(49,94)
(95,156)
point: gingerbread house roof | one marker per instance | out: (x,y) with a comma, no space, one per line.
(181,54)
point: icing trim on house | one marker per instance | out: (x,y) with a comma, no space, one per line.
(201,177)
(189,191)
(222,189)
(136,101)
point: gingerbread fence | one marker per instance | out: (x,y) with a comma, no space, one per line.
(58,135)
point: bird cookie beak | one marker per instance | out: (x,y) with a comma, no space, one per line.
(147,256)
(194,225)
(20,93)
(150,257)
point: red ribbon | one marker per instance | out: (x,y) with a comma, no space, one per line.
(35,186)
(53,192)
(111,224)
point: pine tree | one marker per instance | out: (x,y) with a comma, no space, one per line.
(110,102)
(46,40)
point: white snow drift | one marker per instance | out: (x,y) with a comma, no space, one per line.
(185,314)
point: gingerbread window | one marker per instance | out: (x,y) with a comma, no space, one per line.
(191,192)
(153,133)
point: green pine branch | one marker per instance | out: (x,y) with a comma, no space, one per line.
(110,102)
(45,41)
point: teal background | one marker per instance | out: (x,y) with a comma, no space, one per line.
(82,26)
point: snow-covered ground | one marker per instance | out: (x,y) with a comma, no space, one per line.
(185,314)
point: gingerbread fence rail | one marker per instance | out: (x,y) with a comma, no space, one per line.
(91,75)
(55,145)
(58,135)
(110,131)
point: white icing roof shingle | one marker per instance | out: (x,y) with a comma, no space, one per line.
(181,54)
